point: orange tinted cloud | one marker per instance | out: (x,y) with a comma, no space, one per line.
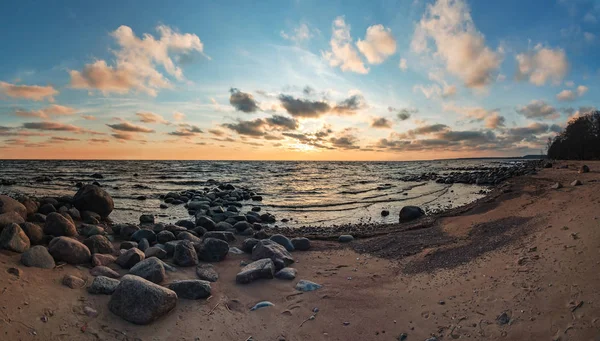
(32,92)
(45,113)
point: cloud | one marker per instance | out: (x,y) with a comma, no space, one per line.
(303,108)
(434,90)
(248,128)
(150,117)
(136,62)
(345,142)
(57,139)
(88,117)
(129,127)
(262,127)
(423,130)
(492,118)
(307,91)
(45,113)
(378,45)
(124,136)
(301,34)
(343,53)
(542,65)
(458,43)
(495,121)
(590,18)
(178,116)
(242,101)
(282,121)
(32,92)
(538,109)
(589,37)
(403,64)
(350,105)
(216,132)
(52,126)
(403,114)
(98,140)
(186,130)
(381,122)
(570,95)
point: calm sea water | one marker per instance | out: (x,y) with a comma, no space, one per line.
(308,193)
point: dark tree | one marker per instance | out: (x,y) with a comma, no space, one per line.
(579,141)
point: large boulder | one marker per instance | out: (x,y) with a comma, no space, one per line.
(57,225)
(104,271)
(270,249)
(151,269)
(206,222)
(10,218)
(408,213)
(103,285)
(185,254)
(65,249)
(165,236)
(263,268)
(249,244)
(301,243)
(99,244)
(212,250)
(130,258)
(188,236)
(283,241)
(38,257)
(13,238)
(149,235)
(34,232)
(191,289)
(8,204)
(140,301)
(95,199)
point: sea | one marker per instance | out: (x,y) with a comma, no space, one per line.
(302,193)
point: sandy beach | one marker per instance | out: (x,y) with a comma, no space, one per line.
(526,250)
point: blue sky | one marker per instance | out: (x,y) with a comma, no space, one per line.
(389,80)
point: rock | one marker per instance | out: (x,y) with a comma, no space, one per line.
(222,235)
(256,209)
(576,183)
(212,250)
(385,213)
(47,209)
(95,199)
(8,204)
(90,217)
(206,222)
(34,232)
(74,213)
(99,244)
(263,268)
(305,286)
(268,218)
(503,319)
(34,218)
(13,238)
(188,224)
(73,282)
(345,238)
(163,206)
(556,186)
(257,198)
(235,251)
(283,241)
(260,235)
(97,176)
(151,269)
(57,225)
(242,226)
(191,289)
(408,213)
(103,260)
(146,219)
(286,273)
(188,236)
(38,257)
(127,230)
(249,244)
(138,235)
(155,251)
(584,169)
(222,226)
(143,245)
(89,230)
(270,249)
(104,271)
(31,206)
(548,165)
(91,312)
(69,250)
(130,258)
(199,230)
(102,285)
(185,254)
(165,236)
(262,304)
(207,272)
(128,245)
(140,301)
(301,243)
(10,218)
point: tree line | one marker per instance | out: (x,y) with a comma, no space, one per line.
(580,140)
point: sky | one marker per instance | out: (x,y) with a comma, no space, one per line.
(293,80)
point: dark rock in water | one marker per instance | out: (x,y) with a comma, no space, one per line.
(260,235)
(268,218)
(556,186)
(165,236)
(13,238)
(188,224)
(34,232)
(104,260)
(155,251)
(262,268)
(104,271)
(286,273)
(385,213)
(34,218)
(212,250)
(256,209)
(164,206)
(548,165)
(140,301)
(584,169)
(576,183)
(151,269)
(69,250)
(57,225)
(99,244)
(138,235)
(242,226)
(89,230)
(223,235)
(185,254)
(79,184)
(277,253)
(305,286)
(47,209)
(188,236)
(249,244)
(95,199)
(73,282)
(207,272)
(38,257)
(128,245)
(301,243)
(97,176)
(146,219)
(8,204)
(143,244)
(191,289)
(257,198)
(408,213)
(130,258)
(345,238)
(103,285)
(141,197)
(283,241)
(206,222)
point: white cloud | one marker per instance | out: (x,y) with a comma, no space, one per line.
(570,84)
(581,90)
(590,18)
(570,95)
(301,33)
(136,62)
(457,41)
(435,90)
(45,113)
(32,92)
(378,45)
(403,65)
(343,53)
(178,116)
(542,65)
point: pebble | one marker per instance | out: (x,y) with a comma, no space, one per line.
(262,304)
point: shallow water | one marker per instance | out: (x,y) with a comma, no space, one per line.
(307,193)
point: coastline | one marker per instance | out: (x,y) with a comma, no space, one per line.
(448,275)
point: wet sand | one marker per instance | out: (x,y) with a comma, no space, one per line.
(526,250)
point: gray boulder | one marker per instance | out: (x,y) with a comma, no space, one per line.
(408,213)
(212,250)
(99,244)
(249,244)
(140,301)
(301,244)
(34,232)
(151,269)
(47,209)
(277,253)
(89,230)
(286,273)
(146,219)
(95,199)
(57,225)
(100,259)
(65,249)
(102,285)
(241,226)
(207,272)
(345,238)
(263,268)
(206,222)
(155,251)
(13,238)
(104,271)
(138,235)
(165,236)
(191,289)
(222,235)
(130,258)
(185,254)
(38,257)
(283,241)
(188,236)
(143,244)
